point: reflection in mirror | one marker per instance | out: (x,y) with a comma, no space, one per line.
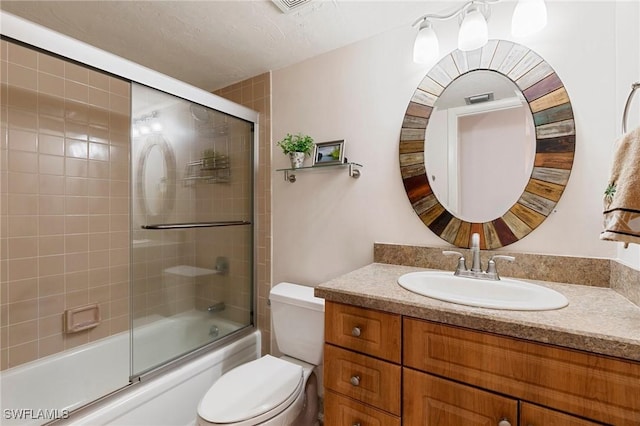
(479,146)
(156,176)
(441,198)
(155,180)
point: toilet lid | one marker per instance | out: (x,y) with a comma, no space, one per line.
(250,390)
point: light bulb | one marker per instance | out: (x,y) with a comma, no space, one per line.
(473,32)
(426,49)
(145,130)
(529,17)
(156,126)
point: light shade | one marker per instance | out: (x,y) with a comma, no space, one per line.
(529,17)
(473,32)
(426,48)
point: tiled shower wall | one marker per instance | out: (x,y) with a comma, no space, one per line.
(255,93)
(64,174)
(226,201)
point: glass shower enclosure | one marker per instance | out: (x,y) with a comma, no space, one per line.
(192,227)
(126,228)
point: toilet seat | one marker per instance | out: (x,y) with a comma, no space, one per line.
(252,393)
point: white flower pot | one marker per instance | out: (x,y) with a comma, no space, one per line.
(297,159)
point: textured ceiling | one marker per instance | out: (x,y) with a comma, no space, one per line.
(211,44)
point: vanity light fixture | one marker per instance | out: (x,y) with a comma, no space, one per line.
(146,124)
(529,17)
(474,32)
(426,49)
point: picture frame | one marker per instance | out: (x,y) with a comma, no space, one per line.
(328,153)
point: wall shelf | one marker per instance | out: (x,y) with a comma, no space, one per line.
(353,169)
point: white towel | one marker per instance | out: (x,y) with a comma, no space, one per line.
(622,196)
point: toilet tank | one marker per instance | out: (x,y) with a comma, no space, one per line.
(298,321)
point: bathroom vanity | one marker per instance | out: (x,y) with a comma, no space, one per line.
(393,357)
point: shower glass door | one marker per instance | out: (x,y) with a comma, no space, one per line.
(192,227)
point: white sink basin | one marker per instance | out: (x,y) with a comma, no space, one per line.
(506,293)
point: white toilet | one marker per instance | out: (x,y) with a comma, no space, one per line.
(275,391)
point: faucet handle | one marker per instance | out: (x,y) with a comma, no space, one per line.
(491,266)
(462,266)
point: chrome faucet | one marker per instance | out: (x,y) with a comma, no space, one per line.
(476,267)
(475,253)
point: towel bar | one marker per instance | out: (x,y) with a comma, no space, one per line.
(195,224)
(635,86)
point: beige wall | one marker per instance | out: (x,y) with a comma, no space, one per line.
(64,239)
(325,224)
(255,93)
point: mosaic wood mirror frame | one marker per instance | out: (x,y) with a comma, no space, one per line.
(555,143)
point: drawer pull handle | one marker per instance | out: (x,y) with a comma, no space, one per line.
(356,424)
(355,332)
(355,381)
(504,422)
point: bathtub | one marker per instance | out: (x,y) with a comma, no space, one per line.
(161,338)
(52,387)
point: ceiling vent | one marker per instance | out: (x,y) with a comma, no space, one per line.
(288,6)
(477,99)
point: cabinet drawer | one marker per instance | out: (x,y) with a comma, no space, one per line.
(432,401)
(532,415)
(587,385)
(364,330)
(342,411)
(366,379)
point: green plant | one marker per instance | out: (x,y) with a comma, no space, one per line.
(296,143)
(335,154)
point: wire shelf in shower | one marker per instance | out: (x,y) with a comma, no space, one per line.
(215,169)
(214,164)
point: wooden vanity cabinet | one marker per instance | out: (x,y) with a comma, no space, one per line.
(533,415)
(433,401)
(367,331)
(583,385)
(382,369)
(362,371)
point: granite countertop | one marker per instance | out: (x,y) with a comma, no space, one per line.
(597,320)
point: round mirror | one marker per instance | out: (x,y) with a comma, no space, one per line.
(487,144)
(156,177)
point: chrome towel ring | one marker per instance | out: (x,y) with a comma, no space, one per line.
(635,86)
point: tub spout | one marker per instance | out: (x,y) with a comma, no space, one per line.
(216,307)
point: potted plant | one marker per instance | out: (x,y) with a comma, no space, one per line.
(297,146)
